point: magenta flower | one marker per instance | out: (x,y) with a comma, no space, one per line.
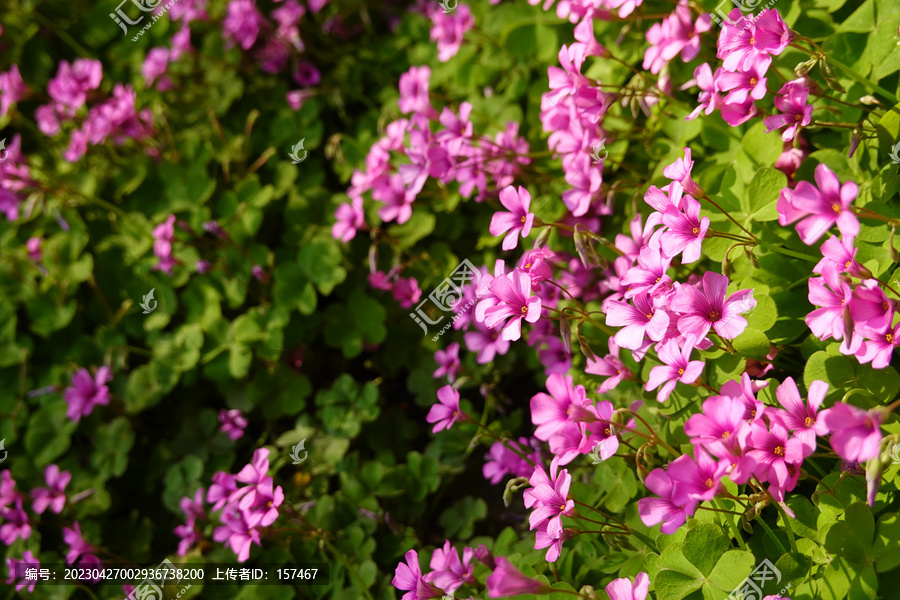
(678,367)
(553,544)
(878,347)
(72,82)
(639,321)
(702,310)
(774,450)
(264,504)
(839,256)
(447,30)
(796,113)
(254,475)
(699,479)
(223,485)
(163,234)
(446,412)
(802,419)
(649,274)
(78,547)
(551,413)
(833,296)
(408,577)
(609,366)
(349,218)
(855,433)
(233,423)
(414,92)
(506,580)
(686,231)
(549,497)
(709,98)
(448,571)
(822,207)
(28,559)
(239,531)
(720,428)
(486,342)
(55,496)
(16,526)
(622,588)
(12,89)
(406,291)
(743,84)
(517,220)
(871,306)
(242,24)
(515,300)
(663,509)
(85,393)
(448,362)
(8,493)
(500,460)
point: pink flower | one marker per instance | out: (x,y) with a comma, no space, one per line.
(163,235)
(839,256)
(224,484)
(254,475)
(609,366)
(773,450)
(78,547)
(448,29)
(871,306)
(802,419)
(406,291)
(55,496)
(698,479)
(833,296)
(16,526)
(552,412)
(622,588)
(517,220)
(486,342)
(28,560)
(720,428)
(677,367)
(239,531)
(548,496)
(822,207)
(791,101)
(680,171)
(448,362)
(242,24)
(878,348)
(855,433)
(506,580)
(85,393)
(72,82)
(664,509)
(12,89)
(349,219)
(686,231)
(709,99)
(414,92)
(264,503)
(155,65)
(500,460)
(710,308)
(638,321)
(408,577)
(233,423)
(542,540)
(515,300)
(448,571)
(743,84)
(33,245)
(446,412)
